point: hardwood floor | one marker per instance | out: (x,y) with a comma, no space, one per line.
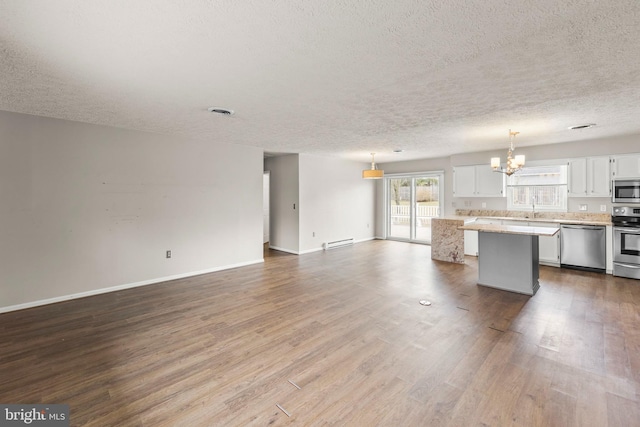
(344,326)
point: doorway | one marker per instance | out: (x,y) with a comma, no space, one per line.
(412,200)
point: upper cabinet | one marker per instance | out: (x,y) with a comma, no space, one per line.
(590,177)
(477,181)
(625,166)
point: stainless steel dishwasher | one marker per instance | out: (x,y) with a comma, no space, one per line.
(583,247)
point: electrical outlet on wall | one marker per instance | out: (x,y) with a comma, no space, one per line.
(168,254)
(484,204)
(603,208)
(583,207)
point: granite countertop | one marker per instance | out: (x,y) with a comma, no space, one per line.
(552,220)
(511,229)
(578,218)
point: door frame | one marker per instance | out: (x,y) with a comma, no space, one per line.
(412,210)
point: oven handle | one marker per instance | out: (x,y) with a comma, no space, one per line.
(627,265)
(627,229)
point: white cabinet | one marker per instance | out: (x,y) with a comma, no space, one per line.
(471,242)
(589,177)
(464,181)
(477,181)
(627,166)
(471,236)
(548,246)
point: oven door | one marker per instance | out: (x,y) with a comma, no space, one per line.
(626,245)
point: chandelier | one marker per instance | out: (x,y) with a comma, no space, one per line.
(374,172)
(514,164)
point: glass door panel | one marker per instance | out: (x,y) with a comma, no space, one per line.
(412,202)
(427,202)
(399,205)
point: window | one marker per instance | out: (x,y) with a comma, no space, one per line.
(541,188)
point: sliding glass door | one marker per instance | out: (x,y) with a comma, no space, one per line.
(412,200)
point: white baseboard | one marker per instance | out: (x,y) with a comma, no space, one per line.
(289,251)
(308,251)
(121,287)
(318,249)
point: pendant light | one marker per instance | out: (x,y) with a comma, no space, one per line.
(514,163)
(374,172)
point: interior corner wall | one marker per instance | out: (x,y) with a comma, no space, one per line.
(335,202)
(284,202)
(88,208)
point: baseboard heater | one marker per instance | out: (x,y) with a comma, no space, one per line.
(337,244)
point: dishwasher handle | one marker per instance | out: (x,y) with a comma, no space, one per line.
(583,227)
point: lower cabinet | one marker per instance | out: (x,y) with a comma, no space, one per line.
(548,247)
(471,242)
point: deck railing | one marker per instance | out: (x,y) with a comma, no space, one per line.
(400,214)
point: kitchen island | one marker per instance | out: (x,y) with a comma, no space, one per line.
(508,256)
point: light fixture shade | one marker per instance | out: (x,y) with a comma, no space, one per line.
(495,162)
(372,174)
(520,160)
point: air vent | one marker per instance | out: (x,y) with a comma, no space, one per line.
(588,125)
(223,111)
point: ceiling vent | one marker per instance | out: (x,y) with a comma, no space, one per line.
(588,125)
(223,111)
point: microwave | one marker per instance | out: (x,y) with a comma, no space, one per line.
(626,191)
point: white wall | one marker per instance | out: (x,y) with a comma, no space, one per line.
(335,202)
(85,208)
(284,231)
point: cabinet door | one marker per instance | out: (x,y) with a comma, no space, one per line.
(488,182)
(578,177)
(598,177)
(464,179)
(626,166)
(471,242)
(548,246)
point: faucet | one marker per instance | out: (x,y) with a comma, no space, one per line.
(533,207)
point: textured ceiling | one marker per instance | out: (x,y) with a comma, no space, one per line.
(330,77)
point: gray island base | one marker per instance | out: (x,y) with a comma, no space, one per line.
(508,256)
(508,262)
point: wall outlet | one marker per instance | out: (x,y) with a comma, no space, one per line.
(484,204)
(168,254)
(313,234)
(583,207)
(603,208)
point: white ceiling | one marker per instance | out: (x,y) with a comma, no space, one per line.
(334,77)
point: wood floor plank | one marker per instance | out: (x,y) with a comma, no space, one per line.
(346,327)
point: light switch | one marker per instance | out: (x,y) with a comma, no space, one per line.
(583,207)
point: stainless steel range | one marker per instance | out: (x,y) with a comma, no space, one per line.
(626,241)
